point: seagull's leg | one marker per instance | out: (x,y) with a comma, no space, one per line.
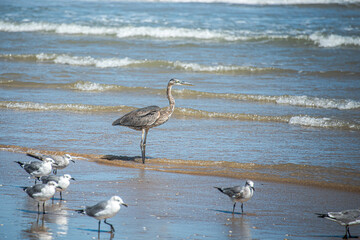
(38,208)
(347,231)
(44,208)
(60,196)
(234,207)
(99,226)
(242,208)
(112,228)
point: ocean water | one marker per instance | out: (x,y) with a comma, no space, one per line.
(276,83)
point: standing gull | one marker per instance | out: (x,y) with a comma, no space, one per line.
(345,218)
(62,182)
(38,169)
(41,193)
(104,210)
(60,162)
(143,119)
(239,194)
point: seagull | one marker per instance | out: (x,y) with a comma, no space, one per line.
(60,162)
(41,193)
(38,169)
(239,194)
(345,218)
(62,182)
(104,210)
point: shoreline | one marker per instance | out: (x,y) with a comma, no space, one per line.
(164,205)
(281,173)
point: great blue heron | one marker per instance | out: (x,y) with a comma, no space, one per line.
(239,194)
(143,119)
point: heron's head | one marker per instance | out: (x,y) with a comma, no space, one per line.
(118,200)
(250,184)
(175,81)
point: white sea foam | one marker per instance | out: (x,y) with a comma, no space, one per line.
(317,38)
(91,86)
(308,121)
(306,101)
(334,40)
(87,60)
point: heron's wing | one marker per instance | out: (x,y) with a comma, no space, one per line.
(141,117)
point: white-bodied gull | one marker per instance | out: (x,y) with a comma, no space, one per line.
(63,182)
(239,194)
(60,162)
(345,218)
(41,192)
(104,210)
(38,169)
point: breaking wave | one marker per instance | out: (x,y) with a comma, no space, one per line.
(306,121)
(316,38)
(300,101)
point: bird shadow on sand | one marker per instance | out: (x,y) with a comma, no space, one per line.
(235,213)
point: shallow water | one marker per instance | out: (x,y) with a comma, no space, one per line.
(276,85)
(166,206)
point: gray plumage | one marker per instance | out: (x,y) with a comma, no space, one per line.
(104,210)
(345,218)
(37,169)
(41,193)
(60,162)
(239,194)
(62,182)
(143,119)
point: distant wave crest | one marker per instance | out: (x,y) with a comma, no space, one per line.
(306,121)
(319,39)
(300,101)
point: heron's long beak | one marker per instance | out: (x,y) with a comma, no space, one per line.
(186,83)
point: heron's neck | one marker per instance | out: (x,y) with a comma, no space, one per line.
(170,98)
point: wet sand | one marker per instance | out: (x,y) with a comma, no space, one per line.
(167,206)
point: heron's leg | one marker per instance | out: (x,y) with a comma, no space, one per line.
(143,143)
(234,207)
(112,227)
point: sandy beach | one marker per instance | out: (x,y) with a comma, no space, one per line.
(167,206)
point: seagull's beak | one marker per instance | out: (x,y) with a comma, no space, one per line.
(72,161)
(253,188)
(186,83)
(59,187)
(124,204)
(72,178)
